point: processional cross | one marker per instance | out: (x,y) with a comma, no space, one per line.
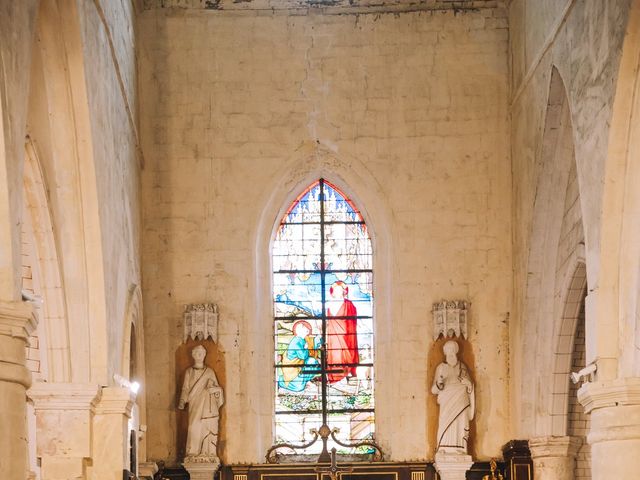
(333,470)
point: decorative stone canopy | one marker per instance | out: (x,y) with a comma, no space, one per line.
(449,319)
(201,321)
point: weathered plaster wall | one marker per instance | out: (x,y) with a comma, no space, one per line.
(585,47)
(408,113)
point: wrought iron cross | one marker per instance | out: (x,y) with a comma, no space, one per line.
(333,470)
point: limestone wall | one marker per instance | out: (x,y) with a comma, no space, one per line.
(583,40)
(408,113)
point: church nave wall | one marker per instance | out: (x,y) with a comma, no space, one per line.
(405,112)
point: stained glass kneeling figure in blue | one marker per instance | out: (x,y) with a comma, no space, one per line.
(301,358)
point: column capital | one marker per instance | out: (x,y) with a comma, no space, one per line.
(17,319)
(115,400)
(612,393)
(552,446)
(64,396)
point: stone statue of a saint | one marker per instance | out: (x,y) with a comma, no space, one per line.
(456,397)
(205,397)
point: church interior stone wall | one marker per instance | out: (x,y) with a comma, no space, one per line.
(149,148)
(240,111)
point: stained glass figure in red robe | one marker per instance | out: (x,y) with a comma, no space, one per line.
(342,337)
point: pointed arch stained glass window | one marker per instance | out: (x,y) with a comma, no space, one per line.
(322,291)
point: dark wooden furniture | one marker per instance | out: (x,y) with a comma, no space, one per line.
(360,471)
(517,457)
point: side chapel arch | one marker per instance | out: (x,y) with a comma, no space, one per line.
(546,264)
(564,342)
(133,362)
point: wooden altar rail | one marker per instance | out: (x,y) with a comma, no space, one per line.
(517,465)
(359,471)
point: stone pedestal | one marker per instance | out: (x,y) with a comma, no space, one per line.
(554,458)
(64,417)
(111,433)
(147,470)
(614,436)
(17,322)
(452,466)
(200,468)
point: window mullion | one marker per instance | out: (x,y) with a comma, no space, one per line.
(323,356)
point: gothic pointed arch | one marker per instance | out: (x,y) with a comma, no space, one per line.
(58,126)
(554,233)
(46,282)
(322,261)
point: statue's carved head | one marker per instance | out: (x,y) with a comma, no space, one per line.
(198,353)
(450,350)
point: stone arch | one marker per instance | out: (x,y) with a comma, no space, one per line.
(133,345)
(575,293)
(53,315)
(133,359)
(351,176)
(540,303)
(59,130)
(614,337)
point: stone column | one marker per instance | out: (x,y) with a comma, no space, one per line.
(64,416)
(554,458)
(614,436)
(17,322)
(111,433)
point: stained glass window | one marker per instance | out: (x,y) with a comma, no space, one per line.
(322,293)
